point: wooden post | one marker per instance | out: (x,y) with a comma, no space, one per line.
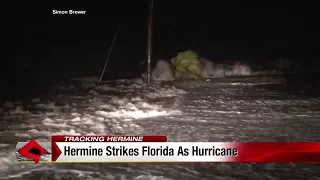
(149,41)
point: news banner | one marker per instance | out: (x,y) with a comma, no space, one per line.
(99,149)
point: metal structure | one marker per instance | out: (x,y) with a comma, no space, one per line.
(149,41)
(110,50)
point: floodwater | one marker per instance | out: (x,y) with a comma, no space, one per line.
(261,108)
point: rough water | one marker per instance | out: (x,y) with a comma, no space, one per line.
(262,108)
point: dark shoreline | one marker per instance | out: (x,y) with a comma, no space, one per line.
(25,91)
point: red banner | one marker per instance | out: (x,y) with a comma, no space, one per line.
(278,152)
(204,151)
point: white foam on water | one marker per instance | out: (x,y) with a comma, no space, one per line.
(221,112)
(18,110)
(75,114)
(150,177)
(164,71)
(241,69)
(106,88)
(119,101)
(135,110)
(165,92)
(218,71)
(7,160)
(84,115)
(207,70)
(50,105)
(52,123)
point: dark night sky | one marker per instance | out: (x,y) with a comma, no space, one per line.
(60,46)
